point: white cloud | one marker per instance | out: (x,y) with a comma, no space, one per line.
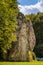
(31,8)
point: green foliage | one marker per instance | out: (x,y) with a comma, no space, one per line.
(8,12)
(39,50)
(27,17)
(32,56)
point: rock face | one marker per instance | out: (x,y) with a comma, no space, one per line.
(25,39)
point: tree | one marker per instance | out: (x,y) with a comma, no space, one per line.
(8,12)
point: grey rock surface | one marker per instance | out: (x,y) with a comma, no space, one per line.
(25,39)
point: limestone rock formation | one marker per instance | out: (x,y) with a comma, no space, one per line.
(25,39)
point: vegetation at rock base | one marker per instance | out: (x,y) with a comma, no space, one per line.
(32,56)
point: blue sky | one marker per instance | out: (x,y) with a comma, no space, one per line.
(30,6)
(27,2)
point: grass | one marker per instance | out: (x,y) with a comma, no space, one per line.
(22,63)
